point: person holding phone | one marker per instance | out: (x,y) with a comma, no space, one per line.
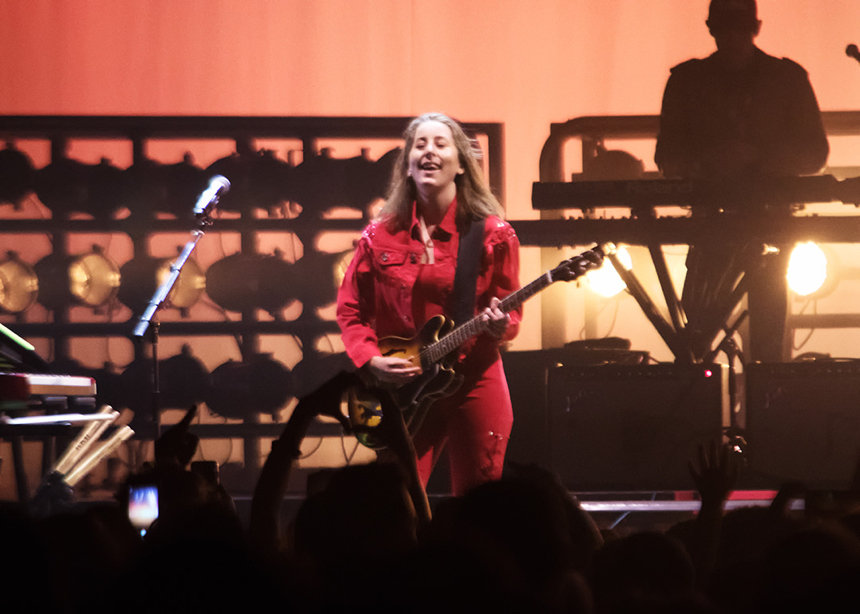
(142,506)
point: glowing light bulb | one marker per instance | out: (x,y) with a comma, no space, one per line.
(807,268)
(606,281)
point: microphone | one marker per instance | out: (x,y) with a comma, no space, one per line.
(853,52)
(217,186)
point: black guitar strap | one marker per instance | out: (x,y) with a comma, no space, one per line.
(466,274)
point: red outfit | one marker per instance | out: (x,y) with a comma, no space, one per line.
(387,292)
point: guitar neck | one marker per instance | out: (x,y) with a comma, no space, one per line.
(435,352)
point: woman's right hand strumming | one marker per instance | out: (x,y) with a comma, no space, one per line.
(392,370)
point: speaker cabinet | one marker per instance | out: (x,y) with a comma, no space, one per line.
(526,375)
(632,428)
(802,423)
(526,372)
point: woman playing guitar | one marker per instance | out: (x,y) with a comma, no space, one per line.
(403,274)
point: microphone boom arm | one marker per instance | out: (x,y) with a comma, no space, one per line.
(164,290)
(202,211)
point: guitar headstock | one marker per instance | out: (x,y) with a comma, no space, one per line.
(579,265)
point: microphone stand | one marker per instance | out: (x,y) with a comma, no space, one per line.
(148,323)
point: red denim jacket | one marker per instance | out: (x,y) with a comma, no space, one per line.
(387,290)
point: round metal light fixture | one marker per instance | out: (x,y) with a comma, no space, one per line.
(319,275)
(258,179)
(63,186)
(19,285)
(91,280)
(260,384)
(142,276)
(183,381)
(251,281)
(16,175)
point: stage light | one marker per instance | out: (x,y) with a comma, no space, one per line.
(148,191)
(251,281)
(63,186)
(142,276)
(260,384)
(322,182)
(165,188)
(182,381)
(19,285)
(257,179)
(183,184)
(341,264)
(109,189)
(807,269)
(91,280)
(16,175)
(320,275)
(605,281)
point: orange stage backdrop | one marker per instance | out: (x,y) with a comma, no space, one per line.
(526,64)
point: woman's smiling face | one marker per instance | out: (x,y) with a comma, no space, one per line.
(434,161)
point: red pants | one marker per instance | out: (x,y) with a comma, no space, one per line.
(475,425)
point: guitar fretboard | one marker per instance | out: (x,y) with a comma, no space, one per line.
(435,352)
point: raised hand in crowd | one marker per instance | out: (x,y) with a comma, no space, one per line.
(715,477)
(176,446)
(716,474)
(272,484)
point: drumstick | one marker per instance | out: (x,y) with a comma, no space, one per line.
(106,448)
(86,438)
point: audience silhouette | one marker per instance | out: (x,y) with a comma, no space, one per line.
(361,541)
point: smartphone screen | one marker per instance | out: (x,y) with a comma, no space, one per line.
(142,506)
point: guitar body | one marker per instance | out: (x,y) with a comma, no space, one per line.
(436,381)
(431,350)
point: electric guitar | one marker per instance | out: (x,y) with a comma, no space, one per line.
(432,349)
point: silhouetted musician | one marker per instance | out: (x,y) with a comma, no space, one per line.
(734,116)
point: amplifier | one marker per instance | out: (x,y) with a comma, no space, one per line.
(526,372)
(633,428)
(802,423)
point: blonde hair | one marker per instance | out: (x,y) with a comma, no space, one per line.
(474,198)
